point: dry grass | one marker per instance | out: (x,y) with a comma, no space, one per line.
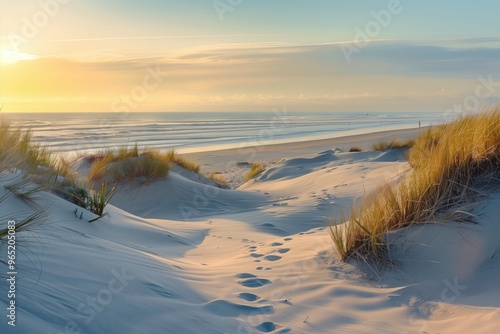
(17,149)
(129,164)
(255,169)
(355,149)
(393,144)
(134,163)
(18,152)
(183,162)
(451,163)
(217,177)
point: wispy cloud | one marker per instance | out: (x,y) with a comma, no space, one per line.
(126,38)
(385,75)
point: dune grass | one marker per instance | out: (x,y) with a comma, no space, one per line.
(17,149)
(19,153)
(128,164)
(217,177)
(183,162)
(255,169)
(451,165)
(393,144)
(133,163)
(355,149)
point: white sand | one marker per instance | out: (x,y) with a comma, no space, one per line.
(180,256)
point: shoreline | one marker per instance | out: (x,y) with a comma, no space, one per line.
(222,158)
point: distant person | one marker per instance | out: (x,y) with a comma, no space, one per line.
(419,124)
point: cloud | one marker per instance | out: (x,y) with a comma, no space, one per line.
(395,75)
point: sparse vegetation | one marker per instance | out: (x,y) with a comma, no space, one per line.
(128,164)
(133,164)
(183,162)
(393,144)
(24,224)
(217,177)
(255,169)
(355,149)
(94,201)
(99,200)
(18,151)
(451,165)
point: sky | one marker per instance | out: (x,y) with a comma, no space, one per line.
(248,55)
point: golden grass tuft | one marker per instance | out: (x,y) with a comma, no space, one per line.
(17,149)
(129,164)
(133,163)
(451,163)
(393,144)
(183,162)
(355,149)
(255,169)
(217,177)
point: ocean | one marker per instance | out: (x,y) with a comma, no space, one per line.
(194,132)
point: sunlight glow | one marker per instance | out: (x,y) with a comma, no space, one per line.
(10,57)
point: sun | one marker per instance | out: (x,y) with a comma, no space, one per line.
(10,57)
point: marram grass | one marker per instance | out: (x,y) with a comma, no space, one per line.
(132,163)
(255,169)
(451,163)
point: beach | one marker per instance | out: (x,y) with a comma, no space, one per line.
(223,158)
(180,255)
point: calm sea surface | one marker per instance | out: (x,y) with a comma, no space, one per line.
(191,132)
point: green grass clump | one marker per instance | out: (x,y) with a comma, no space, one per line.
(94,201)
(451,164)
(255,169)
(355,149)
(393,144)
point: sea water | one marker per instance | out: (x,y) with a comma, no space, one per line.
(204,131)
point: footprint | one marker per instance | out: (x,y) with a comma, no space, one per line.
(283,250)
(256,255)
(276,244)
(245,275)
(229,309)
(288,239)
(271,327)
(272,258)
(255,282)
(249,297)
(266,327)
